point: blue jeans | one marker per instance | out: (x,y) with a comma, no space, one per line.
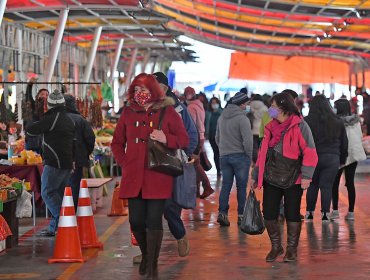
(74,182)
(234,165)
(172,213)
(53,182)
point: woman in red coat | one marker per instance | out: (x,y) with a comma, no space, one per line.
(145,189)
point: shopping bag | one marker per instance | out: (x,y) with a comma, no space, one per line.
(252,221)
(185,187)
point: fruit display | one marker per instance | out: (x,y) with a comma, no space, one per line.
(18,146)
(105,134)
(6,181)
(26,157)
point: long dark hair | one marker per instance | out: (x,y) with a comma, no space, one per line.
(321,118)
(343,107)
(210,103)
(286,103)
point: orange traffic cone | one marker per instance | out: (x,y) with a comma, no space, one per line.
(118,205)
(67,243)
(85,219)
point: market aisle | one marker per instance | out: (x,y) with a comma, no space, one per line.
(338,250)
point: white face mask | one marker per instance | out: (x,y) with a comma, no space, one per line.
(248,108)
(215,106)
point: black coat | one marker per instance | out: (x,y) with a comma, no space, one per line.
(85,139)
(58,131)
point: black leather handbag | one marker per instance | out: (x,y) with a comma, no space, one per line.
(280,171)
(161,158)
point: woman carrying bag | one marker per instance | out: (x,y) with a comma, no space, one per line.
(285,165)
(146,189)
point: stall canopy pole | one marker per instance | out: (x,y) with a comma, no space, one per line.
(131,68)
(56,44)
(2,9)
(145,61)
(117,55)
(154,64)
(92,53)
(20,73)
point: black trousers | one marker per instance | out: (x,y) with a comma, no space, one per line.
(216,153)
(349,174)
(292,202)
(146,214)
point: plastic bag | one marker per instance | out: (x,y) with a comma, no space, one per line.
(24,205)
(252,221)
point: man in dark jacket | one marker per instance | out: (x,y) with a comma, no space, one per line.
(85,140)
(172,211)
(57,130)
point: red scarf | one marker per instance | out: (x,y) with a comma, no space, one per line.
(277,130)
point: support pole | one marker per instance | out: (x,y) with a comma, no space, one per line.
(145,62)
(131,68)
(115,61)
(2,9)
(154,64)
(92,53)
(56,44)
(19,39)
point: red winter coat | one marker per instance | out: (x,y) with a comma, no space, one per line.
(129,147)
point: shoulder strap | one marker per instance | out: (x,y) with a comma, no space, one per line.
(161,115)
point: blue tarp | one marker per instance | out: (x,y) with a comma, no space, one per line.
(171,75)
(210,87)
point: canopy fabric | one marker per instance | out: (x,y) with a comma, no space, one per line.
(298,69)
(338,29)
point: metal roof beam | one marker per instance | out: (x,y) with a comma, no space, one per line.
(70,7)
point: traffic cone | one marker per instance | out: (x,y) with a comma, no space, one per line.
(85,219)
(118,205)
(67,243)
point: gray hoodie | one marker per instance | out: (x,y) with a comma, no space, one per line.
(234,133)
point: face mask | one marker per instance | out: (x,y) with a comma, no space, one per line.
(215,106)
(273,112)
(142,98)
(335,110)
(248,108)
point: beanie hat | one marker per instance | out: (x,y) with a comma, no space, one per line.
(161,78)
(55,99)
(240,98)
(189,91)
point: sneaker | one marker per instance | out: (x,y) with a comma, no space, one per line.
(223,220)
(137,259)
(325,217)
(240,218)
(334,215)
(183,246)
(309,216)
(350,216)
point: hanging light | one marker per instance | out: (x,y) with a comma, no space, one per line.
(325,35)
(357,14)
(335,29)
(318,39)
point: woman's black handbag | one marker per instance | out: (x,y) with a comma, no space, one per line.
(281,171)
(161,158)
(204,161)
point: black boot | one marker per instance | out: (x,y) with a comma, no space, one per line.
(154,241)
(294,231)
(273,230)
(142,239)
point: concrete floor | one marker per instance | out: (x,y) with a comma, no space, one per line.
(336,250)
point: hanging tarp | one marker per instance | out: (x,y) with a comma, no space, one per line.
(295,69)
(210,88)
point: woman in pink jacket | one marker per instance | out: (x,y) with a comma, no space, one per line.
(198,114)
(285,166)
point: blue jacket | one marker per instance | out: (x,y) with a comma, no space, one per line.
(188,123)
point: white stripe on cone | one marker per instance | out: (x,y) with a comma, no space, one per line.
(84,211)
(67,201)
(84,192)
(67,221)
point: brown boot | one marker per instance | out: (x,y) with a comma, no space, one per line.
(154,241)
(294,231)
(273,230)
(142,240)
